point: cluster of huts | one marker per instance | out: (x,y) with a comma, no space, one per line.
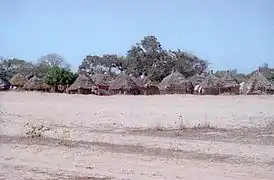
(175,83)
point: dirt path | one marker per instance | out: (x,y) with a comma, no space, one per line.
(41,162)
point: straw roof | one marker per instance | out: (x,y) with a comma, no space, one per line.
(4,84)
(101,79)
(174,79)
(133,78)
(122,81)
(197,79)
(228,81)
(18,80)
(83,81)
(258,82)
(211,81)
(203,75)
(35,83)
(142,80)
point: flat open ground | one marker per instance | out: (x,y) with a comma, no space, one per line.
(137,137)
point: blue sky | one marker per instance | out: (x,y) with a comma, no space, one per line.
(228,33)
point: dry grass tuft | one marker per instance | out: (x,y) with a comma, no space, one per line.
(205,125)
(183,126)
(159,127)
(34,130)
(270,126)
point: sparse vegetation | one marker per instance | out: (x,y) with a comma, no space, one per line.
(159,127)
(35,131)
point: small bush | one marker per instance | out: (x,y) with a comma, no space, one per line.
(35,131)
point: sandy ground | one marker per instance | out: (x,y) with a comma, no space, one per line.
(136,137)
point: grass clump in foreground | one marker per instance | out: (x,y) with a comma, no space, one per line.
(34,130)
(183,126)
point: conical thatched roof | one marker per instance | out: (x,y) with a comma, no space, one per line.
(4,84)
(18,80)
(142,80)
(203,75)
(35,83)
(197,79)
(258,82)
(211,81)
(122,81)
(83,81)
(174,79)
(228,81)
(101,79)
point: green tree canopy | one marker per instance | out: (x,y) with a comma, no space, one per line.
(146,56)
(59,76)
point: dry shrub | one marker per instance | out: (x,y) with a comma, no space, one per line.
(182,125)
(270,126)
(65,138)
(159,127)
(35,130)
(205,125)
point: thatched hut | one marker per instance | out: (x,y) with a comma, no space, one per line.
(36,84)
(211,85)
(258,84)
(123,84)
(83,85)
(175,83)
(132,77)
(141,81)
(229,84)
(197,79)
(4,84)
(103,82)
(18,80)
(151,89)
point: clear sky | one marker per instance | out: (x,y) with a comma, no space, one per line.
(228,33)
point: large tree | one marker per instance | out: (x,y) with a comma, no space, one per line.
(10,67)
(110,63)
(47,62)
(59,76)
(146,56)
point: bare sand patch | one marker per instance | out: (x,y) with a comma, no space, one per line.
(136,137)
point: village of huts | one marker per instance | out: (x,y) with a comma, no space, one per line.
(124,83)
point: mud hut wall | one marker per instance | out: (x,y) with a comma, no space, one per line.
(263,89)
(74,91)
(103,92)
(134,91)
(151,90)
(142,90)
(84,91)
(117,91)
(172,90)
(231,90)
(212,91)
(103,87)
